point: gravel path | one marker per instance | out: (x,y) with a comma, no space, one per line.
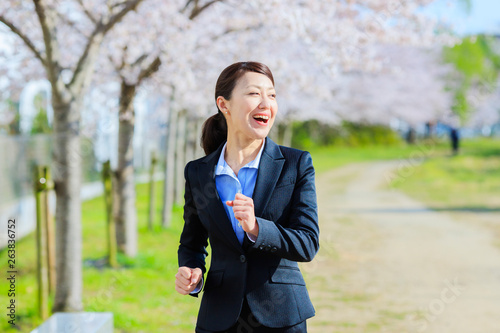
(388,264)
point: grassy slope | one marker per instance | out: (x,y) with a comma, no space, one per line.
(428,171)
(468,181)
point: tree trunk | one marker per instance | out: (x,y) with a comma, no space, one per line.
(108,182)
(168,190)
(67,172)
(180,157)
(274,133)
(190,139)
(152,185)
(199,149)
(287,134)
(41,246)
(126,215)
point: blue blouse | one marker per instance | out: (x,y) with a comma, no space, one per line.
(228,184)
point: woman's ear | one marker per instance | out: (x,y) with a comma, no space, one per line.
(222,103)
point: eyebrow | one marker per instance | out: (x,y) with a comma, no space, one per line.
(259,87)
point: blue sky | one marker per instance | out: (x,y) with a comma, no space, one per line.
(484,16)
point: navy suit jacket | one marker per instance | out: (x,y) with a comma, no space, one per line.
(265,272)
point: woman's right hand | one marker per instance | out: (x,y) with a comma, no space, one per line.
(187,279)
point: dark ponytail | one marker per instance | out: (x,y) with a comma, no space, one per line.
(214,131)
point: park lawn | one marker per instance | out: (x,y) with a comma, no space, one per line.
(427,171)
(469,181)
(327,158)
(141,294)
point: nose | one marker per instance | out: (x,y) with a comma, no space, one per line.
(265,103)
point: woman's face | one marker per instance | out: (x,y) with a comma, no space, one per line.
(252,108)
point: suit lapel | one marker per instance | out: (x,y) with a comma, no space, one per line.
(270,166)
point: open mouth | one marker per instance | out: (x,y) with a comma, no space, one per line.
(262,120)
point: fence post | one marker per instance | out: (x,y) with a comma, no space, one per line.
(151,214)
(49,227)
(41,241)
(108,200)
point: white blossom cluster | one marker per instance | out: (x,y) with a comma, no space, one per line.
(332,60)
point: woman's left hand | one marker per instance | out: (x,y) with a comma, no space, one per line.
(244,212)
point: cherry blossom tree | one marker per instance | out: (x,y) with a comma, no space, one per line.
(65,37)
(155,45)
(310,45)
(410,87)
(317,48)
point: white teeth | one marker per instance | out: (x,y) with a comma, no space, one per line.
(262,117)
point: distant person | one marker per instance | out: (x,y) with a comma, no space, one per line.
(455,140)
(255,201)
(429,129)
(411,136)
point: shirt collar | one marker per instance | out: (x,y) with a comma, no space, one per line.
(223,168)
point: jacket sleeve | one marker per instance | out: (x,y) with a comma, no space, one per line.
(299,240)
(193,242)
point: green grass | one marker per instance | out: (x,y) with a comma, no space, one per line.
(327,158)
(469,181)
(141,294)
(430,173)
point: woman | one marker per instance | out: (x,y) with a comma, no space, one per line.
(256,203)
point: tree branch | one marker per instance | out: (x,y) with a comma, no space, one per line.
(24,38)
(236,30)
(66,20)
(95,41)
(124,55)
(186,6)
(87,13)
(139,60)
(128,6)
(52,65)
(197,10)
(149,70)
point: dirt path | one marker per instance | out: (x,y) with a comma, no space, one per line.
(388,264)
